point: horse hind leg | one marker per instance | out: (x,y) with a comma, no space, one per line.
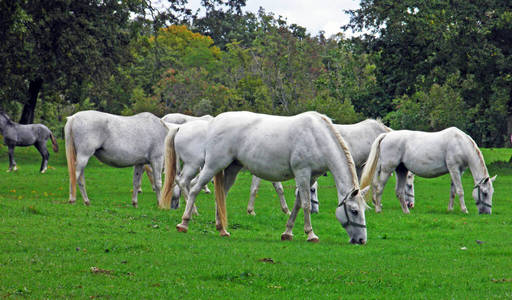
(230,174)
(378,184)
(138,170)
(81,162)
(41,147)
(278,186)
(401,178)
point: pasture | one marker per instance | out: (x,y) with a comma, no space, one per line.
(51,249)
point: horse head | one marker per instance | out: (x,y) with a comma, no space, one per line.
(350,213)
(482,193)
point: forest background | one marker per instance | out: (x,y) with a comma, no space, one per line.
(421,65)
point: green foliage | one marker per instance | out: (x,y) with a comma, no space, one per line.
(434,110)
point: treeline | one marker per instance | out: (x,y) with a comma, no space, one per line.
(417,65)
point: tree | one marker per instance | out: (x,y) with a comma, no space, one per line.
(56,44)
(422,43)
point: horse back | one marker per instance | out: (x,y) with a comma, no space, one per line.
(118,140)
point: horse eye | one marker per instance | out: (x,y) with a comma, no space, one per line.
(354,212)
(409,186)
(312,190)
(484,194)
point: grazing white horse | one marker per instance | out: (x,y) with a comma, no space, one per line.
(359,138)
(428,154)
(276,148)
(117,141)
(189,146)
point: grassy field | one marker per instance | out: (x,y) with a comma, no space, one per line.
(51,249)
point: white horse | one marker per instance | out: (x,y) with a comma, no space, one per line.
(428,154)
(359,138)
(189,146)
(177,118)
(276,148)
(117,141)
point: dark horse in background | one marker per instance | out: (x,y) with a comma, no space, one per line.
(25,135)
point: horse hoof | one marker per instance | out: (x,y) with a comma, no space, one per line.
(286,237)
(251,212)
(287,212)
(181,228)
(87,203)
(72,201)
(224,233)
(465,210)
(135,205)
(314,240)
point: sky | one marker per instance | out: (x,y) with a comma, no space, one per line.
(314,15)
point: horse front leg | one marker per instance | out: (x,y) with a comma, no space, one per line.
(255,184)
(138,170)
(452,196)
(287,235)
(12,163)
(456,181)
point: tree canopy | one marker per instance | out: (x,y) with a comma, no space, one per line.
(418,65)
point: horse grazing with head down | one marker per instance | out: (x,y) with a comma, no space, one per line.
(277,148)
(26,135)
(117,141)
(428,154)
(359,138)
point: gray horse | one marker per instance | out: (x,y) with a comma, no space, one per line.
(26,135)
(117,141)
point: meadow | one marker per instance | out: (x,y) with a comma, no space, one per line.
(51,249)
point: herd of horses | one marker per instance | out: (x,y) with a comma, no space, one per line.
(192,151)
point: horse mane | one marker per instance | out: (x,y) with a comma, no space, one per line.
(7,119)
(479,154)
(346,151)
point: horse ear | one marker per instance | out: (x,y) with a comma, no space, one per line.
(365,191)
(354,193)
(493,178)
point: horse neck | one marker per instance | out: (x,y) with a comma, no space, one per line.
(343,176)
(476,162)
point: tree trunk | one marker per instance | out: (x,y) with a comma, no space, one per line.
(27,115)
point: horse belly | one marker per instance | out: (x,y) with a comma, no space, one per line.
(268,169)
(427,168)
(120,160)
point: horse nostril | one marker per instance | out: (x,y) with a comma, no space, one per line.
(362,241)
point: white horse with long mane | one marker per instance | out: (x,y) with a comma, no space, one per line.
(276,148)
(428,154)
(359,138)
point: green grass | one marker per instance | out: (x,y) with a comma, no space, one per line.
(48,247)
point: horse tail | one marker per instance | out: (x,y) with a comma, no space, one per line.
(371,163)
(220,199)
(70,156)
(170,169)
(55,146)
